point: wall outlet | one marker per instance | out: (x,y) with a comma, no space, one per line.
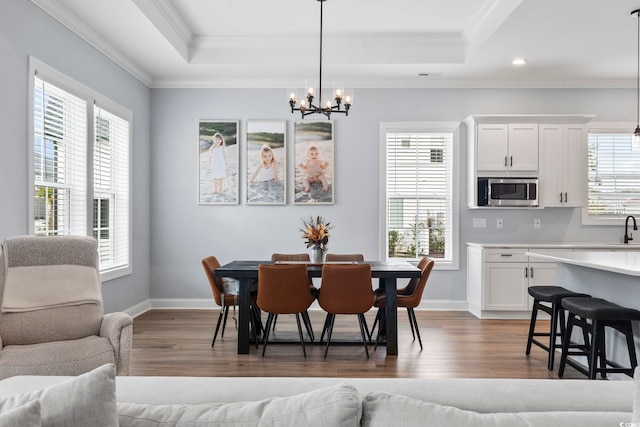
(479,222)
(537,223)
(499,223)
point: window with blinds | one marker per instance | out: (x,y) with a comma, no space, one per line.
(613,177)
(81,167)
(111,189)
(59,161)
(419,195)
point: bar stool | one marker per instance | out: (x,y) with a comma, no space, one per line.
(552,295)
(601,313)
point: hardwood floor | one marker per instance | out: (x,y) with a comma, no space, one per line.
(456,344)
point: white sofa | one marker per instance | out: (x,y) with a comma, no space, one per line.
(147,401)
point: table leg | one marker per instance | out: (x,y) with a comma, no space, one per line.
(391,315)
(243,315)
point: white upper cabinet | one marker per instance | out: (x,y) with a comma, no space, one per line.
(508,147)
(563,165)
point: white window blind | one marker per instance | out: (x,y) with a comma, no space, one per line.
(614,176)
(419,195)
(60,158)
(81,167)
(111,189)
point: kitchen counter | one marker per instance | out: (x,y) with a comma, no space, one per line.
(620,261)
(612,275)
(577,245)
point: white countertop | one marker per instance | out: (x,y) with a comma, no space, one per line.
(569,245)
(623,262)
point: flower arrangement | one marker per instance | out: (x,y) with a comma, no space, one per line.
(316,231)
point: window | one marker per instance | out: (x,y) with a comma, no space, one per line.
(81,167)
(420,192)
(613,176)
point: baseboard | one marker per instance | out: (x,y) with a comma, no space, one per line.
(209,304)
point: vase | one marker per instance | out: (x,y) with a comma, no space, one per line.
(316,255)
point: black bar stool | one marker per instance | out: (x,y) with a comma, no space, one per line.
(601,313)
(552,295)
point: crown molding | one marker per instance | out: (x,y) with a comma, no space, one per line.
(76,26)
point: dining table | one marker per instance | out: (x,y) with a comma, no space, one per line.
(387,273)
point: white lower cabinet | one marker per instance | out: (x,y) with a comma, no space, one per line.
(498,281)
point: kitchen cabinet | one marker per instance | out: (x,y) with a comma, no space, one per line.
(508,147)
(563,165)
(498,281)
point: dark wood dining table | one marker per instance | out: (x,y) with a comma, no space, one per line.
(386,271)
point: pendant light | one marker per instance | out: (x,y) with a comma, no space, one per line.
(636,133)
(326,107)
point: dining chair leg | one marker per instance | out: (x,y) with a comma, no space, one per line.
(215,334)
(307,324)
(331,318)
(363,326)
(381,327)
(265,339)
(375,323)
(304,351)
(224,322)
(327,320)
(252,327)
(412,315)
(257,318)
(413,332)
(366,328)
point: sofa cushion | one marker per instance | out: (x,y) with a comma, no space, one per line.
(56,358)
(86,400)
(384,409)
(338,405)
(24,416)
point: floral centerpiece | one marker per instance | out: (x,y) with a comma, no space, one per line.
(316,232)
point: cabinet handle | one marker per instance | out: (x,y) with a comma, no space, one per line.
(531,275)
(526,272)
(560,197)
(511,161)
(506,254)
(565,197)
(505,161)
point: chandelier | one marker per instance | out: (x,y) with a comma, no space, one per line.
(307,106)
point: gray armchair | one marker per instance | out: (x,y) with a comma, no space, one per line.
(51,313)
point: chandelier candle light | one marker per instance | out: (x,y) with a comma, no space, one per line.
(339,96)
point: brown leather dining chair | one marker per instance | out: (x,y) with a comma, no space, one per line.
(302,257)
(408,297)
(283,289)
(344,257)
(226,300)
(346,289)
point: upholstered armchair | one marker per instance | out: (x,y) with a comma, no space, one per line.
(51,313)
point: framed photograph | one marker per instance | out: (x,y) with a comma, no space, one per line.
(314,162)
(266,162)
(218,162)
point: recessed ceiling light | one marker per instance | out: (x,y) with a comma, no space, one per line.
(519,61)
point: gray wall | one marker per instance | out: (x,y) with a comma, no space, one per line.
(184,232)
(26,30)
(171,233)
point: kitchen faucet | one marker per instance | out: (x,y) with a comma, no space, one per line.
(626,225)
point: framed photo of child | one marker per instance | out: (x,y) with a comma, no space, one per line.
(266,162)
(314,162)
(218,162)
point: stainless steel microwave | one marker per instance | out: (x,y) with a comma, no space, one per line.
(508,192)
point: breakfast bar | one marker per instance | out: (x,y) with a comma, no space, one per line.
(611,275)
